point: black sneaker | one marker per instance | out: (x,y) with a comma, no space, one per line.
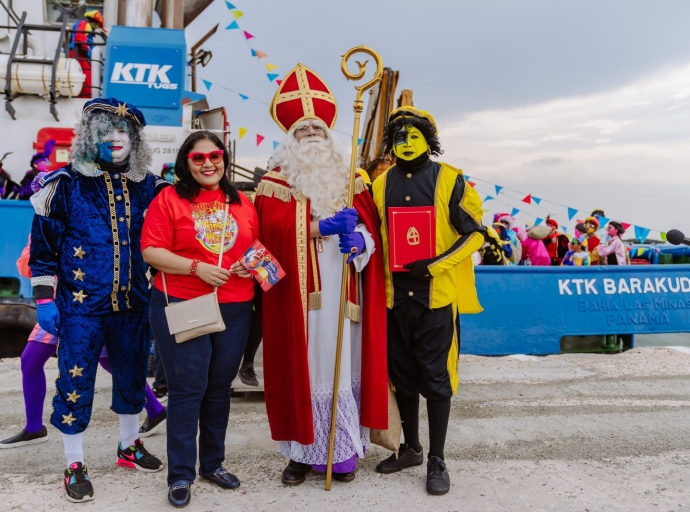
(248,376)
(437,477)
(24,438)
(180,493)
(136,457)
(78,488)
(153,425)
(161,393)
(407,458)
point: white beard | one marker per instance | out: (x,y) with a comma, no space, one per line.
(317,168)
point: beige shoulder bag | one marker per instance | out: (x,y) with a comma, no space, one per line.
(195,317)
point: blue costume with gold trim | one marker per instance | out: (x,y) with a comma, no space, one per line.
(85,234)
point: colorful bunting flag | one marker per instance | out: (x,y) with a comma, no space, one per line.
(514,212)
(207,84)
(253,52)
(244,98)
(527,199)
(261,54)
(536,199)
(243,132)
(237,14)
(272,76)
(641,233)
(564,228)
(247,35)
(571,213)
(467,177)
(471,183)
(640,251)
(625,225)
(538,220)
(230,6)
(259,139)
(232,26)
(498,189)
(271,67)
(359,141)
(279,82)
(603,221)
(487,198)
(663,236)
(275,144)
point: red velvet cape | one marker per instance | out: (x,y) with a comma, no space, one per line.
(284,224)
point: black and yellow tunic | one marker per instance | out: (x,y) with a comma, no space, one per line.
(451,289)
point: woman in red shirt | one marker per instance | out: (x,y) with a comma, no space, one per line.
(181,237)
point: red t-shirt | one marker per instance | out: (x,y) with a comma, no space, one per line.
(193,230)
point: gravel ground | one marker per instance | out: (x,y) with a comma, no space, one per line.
(563,433)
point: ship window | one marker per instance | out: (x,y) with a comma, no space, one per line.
(56,10)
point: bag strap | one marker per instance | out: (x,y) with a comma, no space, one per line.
(220,253)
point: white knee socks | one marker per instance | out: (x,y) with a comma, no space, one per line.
(129,429)
(74,447)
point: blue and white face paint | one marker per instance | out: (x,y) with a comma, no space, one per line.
(115,146)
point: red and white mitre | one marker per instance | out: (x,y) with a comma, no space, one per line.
(303,95)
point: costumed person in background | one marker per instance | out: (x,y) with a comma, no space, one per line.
(614,252)
(576,256)
(40,347)
(492,251)
(40,163)
(509,222)
(556,243)
(168,172)
(506,246)
(305,224)
(591,238)
(88,217)
(81,46)
(8,188)
(533,249)
(424,303)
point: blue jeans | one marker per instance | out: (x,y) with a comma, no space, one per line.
(199,373)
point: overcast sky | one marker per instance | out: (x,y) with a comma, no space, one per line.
(585,104)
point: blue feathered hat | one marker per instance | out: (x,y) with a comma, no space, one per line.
(115,106)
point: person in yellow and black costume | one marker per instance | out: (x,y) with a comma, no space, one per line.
(423,304)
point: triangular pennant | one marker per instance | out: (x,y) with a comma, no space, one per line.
(640,251)
(641,233)
(625,225)
(564,228)
(275,144)
(260,54)
(272,76)
(232,26)
(244,98)
(527,199)
(207,84)
(243,132)
(279,82)
(471,183)
(253,52)
(536,199)
(237,14)
(603,221)
(571,213)
(498,189)
(514,212)
(359,141)
(663,237)
(538,220)
(259,139)
(467,177)
(487,198)
(230,6)
(271,67)
(247,34)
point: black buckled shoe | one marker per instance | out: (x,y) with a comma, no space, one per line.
(295,473)
(344,477)
(437,477)
(407,458)
(180,494)
(222,478)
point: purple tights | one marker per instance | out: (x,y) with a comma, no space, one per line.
(33,360)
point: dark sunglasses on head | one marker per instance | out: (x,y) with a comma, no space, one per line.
(198,158)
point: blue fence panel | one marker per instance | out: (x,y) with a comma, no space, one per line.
(16,219)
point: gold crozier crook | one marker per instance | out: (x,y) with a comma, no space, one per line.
(358,107)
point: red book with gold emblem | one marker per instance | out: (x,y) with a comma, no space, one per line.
(411,235)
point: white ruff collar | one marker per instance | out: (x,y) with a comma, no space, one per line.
(91,170)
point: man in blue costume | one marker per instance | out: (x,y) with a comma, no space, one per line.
(90,280)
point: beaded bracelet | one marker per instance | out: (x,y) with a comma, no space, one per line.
(193,266)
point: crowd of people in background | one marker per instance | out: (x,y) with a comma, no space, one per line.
(543,245)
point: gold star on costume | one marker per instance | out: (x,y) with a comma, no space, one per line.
(72,397)
(80,296)
(121,109)
(78,274)
(76,371)
(78,252)
(69,419)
